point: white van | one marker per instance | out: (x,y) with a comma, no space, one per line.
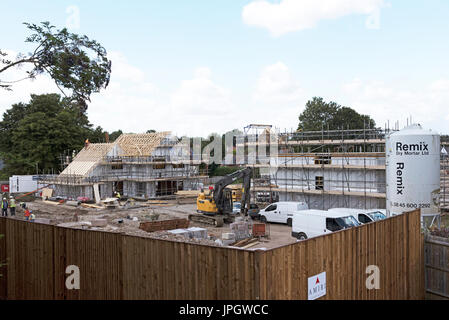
(281,212)
(313,223)
(362,215)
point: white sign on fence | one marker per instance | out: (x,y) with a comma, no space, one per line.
(317,286)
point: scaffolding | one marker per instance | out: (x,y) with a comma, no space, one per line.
(145,177)
(327,168)
(444,177)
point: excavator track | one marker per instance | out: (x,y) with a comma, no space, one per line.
(215,221)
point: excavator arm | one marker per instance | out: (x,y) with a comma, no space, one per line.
(219,199)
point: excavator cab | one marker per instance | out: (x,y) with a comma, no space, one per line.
(206,203)
(226,203)
(215,206)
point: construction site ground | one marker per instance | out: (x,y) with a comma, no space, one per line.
(127,221)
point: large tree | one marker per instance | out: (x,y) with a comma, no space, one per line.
(74,62)
(38,133)
(320,114)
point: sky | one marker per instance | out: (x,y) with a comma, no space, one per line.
(201,67)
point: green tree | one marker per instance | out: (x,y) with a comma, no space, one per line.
(36,134)
(114,135)
(74,62)
(320,114)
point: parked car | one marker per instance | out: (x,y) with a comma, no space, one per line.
(253,210)
(313,223)
(362,215)
(236,206)
(281,212)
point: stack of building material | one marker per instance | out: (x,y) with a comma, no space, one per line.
(191,233)
(228,238)
(198,233)
(186,196)
(180,232)
(246,243)
(47,193)
(241,229)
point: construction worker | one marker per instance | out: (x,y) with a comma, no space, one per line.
(4,207)
(12,206)
(27,214)
(86,143)
(32,216)
(117,195)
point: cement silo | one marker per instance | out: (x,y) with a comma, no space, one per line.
(413,170)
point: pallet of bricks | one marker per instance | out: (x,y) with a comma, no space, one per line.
(244,234)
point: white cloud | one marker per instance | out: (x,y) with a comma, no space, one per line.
(295,15)
(200,106)
(427,104)
(130,102)
(276,85)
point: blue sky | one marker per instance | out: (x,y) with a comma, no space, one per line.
(196,67)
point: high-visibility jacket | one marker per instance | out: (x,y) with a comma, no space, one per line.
(12,203)
(4,204)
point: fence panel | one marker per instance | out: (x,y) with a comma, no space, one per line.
(3,257)
(117,266)
(392,244)
(437,267)
(29,250)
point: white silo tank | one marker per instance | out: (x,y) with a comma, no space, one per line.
(413,170)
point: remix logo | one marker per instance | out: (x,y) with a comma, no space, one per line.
(399,179)
(412,148)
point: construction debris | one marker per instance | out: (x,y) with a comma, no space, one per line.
(129,221)
(72,203)
(87,205)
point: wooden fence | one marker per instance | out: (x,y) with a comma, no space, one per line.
(116,266)
(436,253)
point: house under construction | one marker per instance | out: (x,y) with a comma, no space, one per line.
(325,169)
(142,166)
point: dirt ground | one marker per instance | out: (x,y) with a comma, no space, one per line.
(127,221)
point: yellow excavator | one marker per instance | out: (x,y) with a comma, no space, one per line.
(215,206)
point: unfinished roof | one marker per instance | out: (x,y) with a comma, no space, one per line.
(129,144)
(87,158)
(142,144)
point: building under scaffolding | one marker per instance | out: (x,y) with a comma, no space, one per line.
(444,176)
(142,166)
(326,169)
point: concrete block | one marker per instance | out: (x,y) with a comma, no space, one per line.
(198,233)
(228,236)
(228,242)
(180,232)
